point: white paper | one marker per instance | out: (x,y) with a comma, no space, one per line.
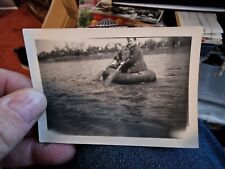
(111,128)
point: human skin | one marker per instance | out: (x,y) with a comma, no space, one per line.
(131,42)
(20,108)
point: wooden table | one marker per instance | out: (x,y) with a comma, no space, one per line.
(11,24)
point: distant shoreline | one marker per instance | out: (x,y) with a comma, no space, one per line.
(56,57)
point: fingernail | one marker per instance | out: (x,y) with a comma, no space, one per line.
(28,105)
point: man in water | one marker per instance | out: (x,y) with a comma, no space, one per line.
(118,59)
(135,62)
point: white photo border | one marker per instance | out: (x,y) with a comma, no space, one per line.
(190,140)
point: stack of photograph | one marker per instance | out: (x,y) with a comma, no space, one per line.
(103,14)
(213,31)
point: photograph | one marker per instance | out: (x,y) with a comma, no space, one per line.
(117,86)
(150,15)
(101,14)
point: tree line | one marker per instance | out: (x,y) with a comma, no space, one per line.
(73,52)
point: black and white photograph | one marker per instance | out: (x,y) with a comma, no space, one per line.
(117,86)
(150,15)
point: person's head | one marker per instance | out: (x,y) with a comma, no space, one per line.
(118,46)
(131,41)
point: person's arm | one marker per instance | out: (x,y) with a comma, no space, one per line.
(20,108)
(133,58)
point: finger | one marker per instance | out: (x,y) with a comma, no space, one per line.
(31,152)
(18,113)
(12,81)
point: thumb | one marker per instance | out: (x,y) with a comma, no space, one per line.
(18,113)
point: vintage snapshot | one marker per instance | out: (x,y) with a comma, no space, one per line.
(117,86)
(144,14)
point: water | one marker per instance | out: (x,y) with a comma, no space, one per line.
(80,105)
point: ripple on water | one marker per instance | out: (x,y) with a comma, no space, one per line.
(79,105)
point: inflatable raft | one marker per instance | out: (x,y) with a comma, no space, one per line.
(131,78)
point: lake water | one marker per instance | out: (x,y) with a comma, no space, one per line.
(80,105)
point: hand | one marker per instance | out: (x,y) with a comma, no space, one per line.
(114,62)
(19,111)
